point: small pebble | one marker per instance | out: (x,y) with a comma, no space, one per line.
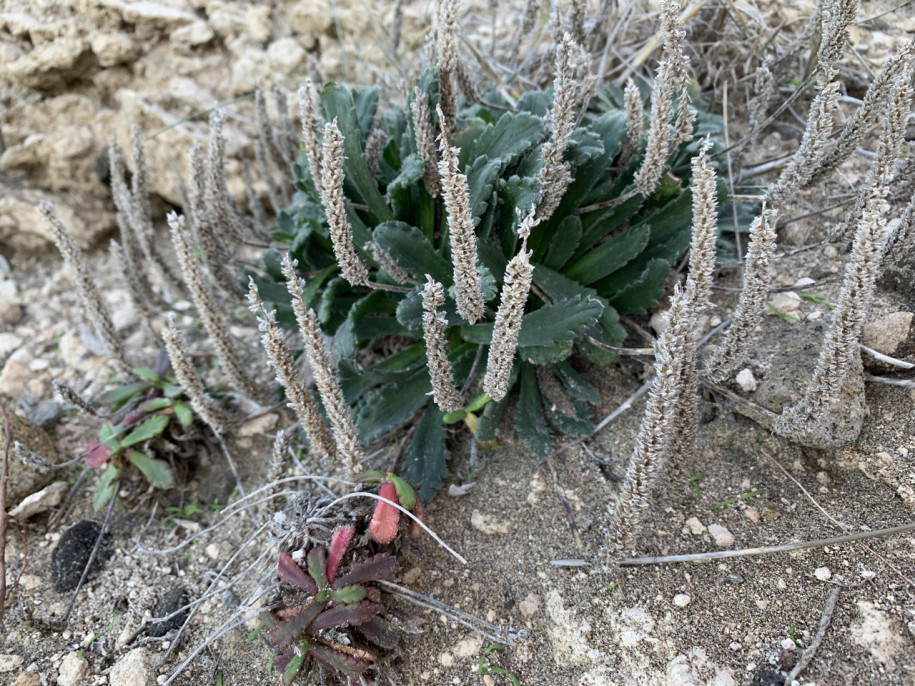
(529,605)
(746,380)
(681,600)
(822,573)
(752,514)
(695,526)
(735,578)
(868,574)
(722,537)
(72,670)
(785,303)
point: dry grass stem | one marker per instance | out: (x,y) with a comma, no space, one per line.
(435,323)
(205,302)
(287,374)
(190,381)
(95,309)
(461,232)
(349,450)
(751,305)
(341,233)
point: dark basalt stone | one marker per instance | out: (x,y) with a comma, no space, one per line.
(72,553)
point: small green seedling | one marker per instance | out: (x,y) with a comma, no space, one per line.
(483,669)
(783,315)
(819,299)
(694,482)
(744,496)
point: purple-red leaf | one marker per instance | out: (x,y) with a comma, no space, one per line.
(383,526)
(343,535)
(344,615)
(378,632)
(317,565)
(291,573)
(284,634)
(97,454)
(378,567)
(337,661)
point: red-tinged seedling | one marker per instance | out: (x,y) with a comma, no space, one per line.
(142,413)
(334,628)
(386,519)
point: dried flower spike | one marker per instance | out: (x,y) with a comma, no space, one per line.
(287,373)
(467,282)
(205,303)
(425,141)
(341,233)
(187,376)
(704,230)
(750,306)
(635,126)
(435,324)
(518,276)
(349,451)
(310,114)
(94,307)
(554,176)
(652,445)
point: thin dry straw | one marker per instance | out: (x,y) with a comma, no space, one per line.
(95,309)
(213,321)
(287,373)
(341,233)
(349,450)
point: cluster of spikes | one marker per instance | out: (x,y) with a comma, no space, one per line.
(213,224)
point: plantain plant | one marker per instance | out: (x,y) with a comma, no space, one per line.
(603,250)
